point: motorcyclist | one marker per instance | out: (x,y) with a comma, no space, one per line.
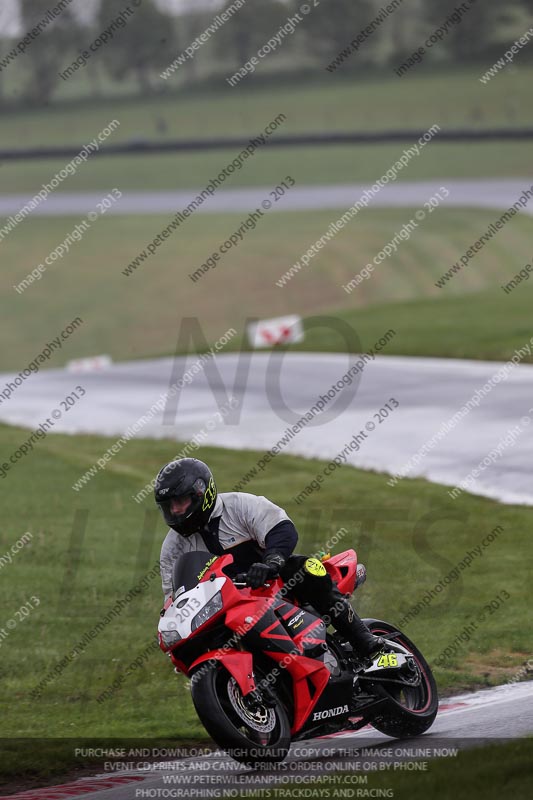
(258,534)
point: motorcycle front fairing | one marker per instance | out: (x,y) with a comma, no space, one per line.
(194,601)
(204,595)
(198,599)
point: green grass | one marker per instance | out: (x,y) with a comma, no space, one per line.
(452,98)
(140,316)
(488,772)
(487,325)
(308,165)
(78,577)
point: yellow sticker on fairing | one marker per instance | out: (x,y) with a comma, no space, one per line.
(315,567)
(204,570)
(388,660)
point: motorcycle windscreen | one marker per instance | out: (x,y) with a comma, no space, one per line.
(190,568)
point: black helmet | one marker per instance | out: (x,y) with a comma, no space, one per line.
(186,477)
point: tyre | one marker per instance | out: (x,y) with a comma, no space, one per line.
(412,709)
(252,737)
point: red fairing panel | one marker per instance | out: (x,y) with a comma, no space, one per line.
(346,577)
(238,663)
(243,607)
(243,617)
(309,677)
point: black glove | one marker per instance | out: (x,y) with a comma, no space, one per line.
(260,572)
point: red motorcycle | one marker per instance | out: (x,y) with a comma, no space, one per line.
(302,682)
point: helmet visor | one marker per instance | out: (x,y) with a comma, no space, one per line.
(180,508)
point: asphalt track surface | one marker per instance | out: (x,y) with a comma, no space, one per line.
(465,721)
(482,193)
(276,390)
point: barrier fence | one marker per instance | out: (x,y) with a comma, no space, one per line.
(298,140)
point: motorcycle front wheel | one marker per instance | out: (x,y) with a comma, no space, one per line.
(251,735)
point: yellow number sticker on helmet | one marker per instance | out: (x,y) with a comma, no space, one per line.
(209,496)
(315,567)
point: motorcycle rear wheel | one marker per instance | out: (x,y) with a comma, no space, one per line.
(251,737)
(412,709)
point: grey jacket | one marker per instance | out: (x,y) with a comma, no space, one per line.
(243,517)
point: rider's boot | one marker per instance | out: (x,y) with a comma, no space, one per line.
(345,620)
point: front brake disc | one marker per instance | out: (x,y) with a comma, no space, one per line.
(261,719)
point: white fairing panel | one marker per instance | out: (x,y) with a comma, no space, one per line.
(190,603)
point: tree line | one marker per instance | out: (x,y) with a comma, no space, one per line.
(137,49)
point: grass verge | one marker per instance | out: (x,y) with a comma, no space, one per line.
(486,325)
(89,282)
(308,165)
(452,97)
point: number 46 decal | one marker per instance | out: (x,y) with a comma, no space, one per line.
(388,660)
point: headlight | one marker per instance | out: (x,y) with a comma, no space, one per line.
(211,608)
(170,637)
